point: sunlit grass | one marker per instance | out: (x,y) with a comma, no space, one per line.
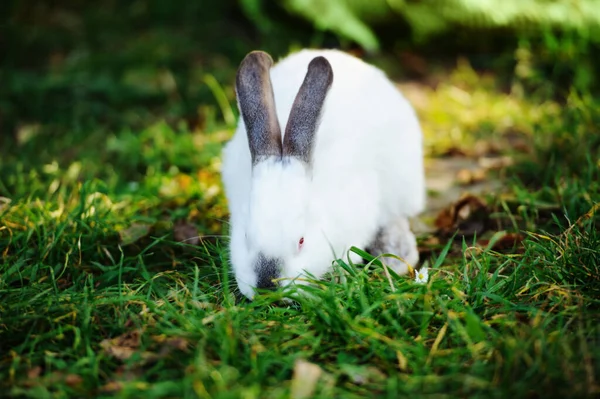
(466,111)
(114,277)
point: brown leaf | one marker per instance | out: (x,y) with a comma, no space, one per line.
(34,372)
(123,346)
(186,232)
(111,387)
(467,177)
(73,380)
(453,152)
(495,162)
(414,62)
(467,216)
(4,203)
(178,343)
(445,220)
(507,241)
(119,352)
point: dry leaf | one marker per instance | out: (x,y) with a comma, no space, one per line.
(4,203)
(453,152)
(126,345)
(402,361)
(73,380)
(414,62)
(305,378)
(467,177)
(112,387)
(467,216)
(134,232)
(495,162)
(186,232)
(123,346)
(34,372)
(119,352)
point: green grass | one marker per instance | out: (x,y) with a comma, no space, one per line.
(99,298)
(106,292)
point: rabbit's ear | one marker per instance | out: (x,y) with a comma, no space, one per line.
(306,111)
(257,105)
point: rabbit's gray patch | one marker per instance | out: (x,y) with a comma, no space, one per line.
(267,270)
(396,239)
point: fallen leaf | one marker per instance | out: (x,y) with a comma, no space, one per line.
(73,380)
(4,203)
(111,387)
(134,233)
(495,162)
(119,352)
(445,220)
(123,346)
(467,216)
(34,372)
(506,241)
(453,152)
(305,378)
(467,177)
(64,283)
(126,345)
(186,232)
(414,62)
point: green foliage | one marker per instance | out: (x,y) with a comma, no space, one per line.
(336,16)
(354,19)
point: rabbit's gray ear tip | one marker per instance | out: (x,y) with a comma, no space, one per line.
(321,64)
(258,57)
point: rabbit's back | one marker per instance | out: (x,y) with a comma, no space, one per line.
(368,130)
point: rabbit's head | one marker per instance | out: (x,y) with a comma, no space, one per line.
(277,228)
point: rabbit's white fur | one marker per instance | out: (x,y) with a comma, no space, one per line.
(367,171)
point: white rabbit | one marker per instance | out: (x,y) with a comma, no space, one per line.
(348,170)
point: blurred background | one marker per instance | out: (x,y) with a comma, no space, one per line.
(138,94)
(72,63)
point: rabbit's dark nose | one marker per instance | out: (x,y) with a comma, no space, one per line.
(267,270)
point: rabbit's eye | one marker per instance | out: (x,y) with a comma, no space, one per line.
(300,243)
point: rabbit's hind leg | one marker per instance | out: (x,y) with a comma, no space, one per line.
(396,238)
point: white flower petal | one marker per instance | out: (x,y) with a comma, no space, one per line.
(422,275)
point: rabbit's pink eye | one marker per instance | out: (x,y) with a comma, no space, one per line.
(301,242)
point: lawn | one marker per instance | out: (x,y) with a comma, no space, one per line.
(114,277)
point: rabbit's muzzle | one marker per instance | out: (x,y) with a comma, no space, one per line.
(267,271)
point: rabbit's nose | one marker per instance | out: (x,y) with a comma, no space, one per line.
(267,270)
